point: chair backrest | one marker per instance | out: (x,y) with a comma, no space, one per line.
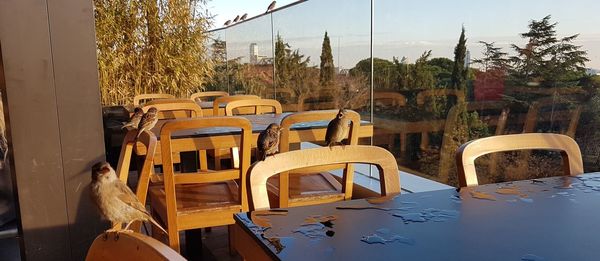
(232,108)
(423,95)
(287,161)
(169,146)
(202,95)
(315,116)
(490,113)
(148,140)
(390,98)
(141,98)
(228,99)
(560,111)
(175,108)
(129,246)
(468,152)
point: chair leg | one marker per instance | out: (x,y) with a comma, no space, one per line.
(202,160)
(231,234)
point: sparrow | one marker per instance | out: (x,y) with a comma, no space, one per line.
(148,121)
(228,22)
(244,17)
(115,200)
(271,6)
(135,119)
(236,19)
(337,129)
(268,141)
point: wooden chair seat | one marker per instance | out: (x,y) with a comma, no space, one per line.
(307,189)
(194,198)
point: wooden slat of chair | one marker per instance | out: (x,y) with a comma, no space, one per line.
(129,246)
(227,99)
(200,96)
(137,100)
(217,111)
(291,160)
(187,201)
(448,148)
(148,140)
(468,152)
(232,108)
(175,108)
(289,193)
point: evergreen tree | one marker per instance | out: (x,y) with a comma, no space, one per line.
(421,75)
(327,70)
(546,58)
(403,73)
(459,72)
(292,71)
(493,60)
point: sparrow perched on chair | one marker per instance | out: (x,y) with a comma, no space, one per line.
(135,119)
(115,200)
(268,141)
(337,129)
(148,121)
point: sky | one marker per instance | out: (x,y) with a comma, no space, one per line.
(402,28)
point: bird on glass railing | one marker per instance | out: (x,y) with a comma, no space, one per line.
(228,22)
(148,121)
(337,129)
(236,19)
(115,200)
(134,121)
(244,17)
(268,141)
(271,7)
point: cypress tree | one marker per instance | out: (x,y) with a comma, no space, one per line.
(327,70)
(459,72)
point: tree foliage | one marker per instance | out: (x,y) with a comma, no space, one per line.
(546,58)
(327,70)
(292,71)
(459,71)
(151,46)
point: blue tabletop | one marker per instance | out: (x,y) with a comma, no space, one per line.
(554,218)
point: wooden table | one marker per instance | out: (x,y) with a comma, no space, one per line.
(547,219)
(218,138)
(207,107)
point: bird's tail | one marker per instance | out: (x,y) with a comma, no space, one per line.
(157,225)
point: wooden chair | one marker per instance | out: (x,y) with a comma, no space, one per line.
(226,99)
(393,99)
(126,246)
(146,172)
(204,198)
(288,161)
(387,99)
(202,95)
(559,112)
(432,93)
(493,114)
(323,187)
(468,152)
(142,98)
(232,108)
(175,108)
